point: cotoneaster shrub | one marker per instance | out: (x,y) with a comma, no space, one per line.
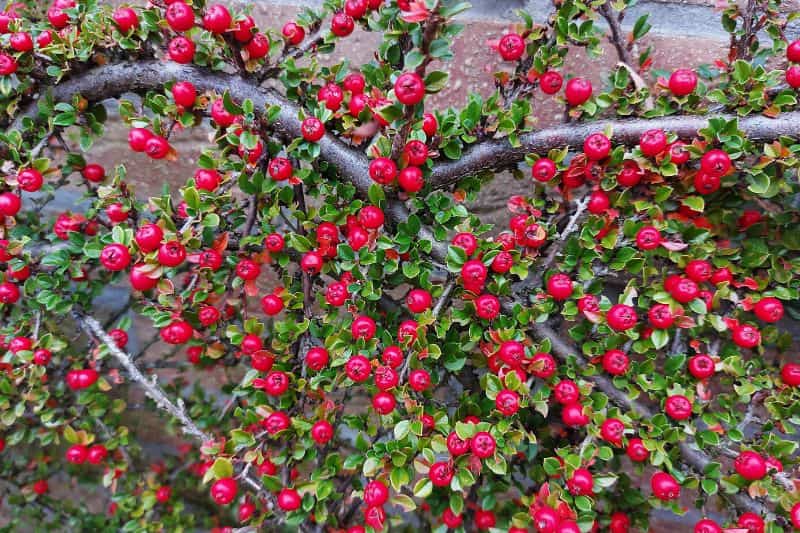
(625,344)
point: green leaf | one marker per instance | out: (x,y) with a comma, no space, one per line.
(435,81)
(376,194)
(423,488)
(659,338)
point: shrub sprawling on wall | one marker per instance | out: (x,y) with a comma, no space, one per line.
(390,360)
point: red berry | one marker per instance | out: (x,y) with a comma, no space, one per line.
(621,317)
(418,300)
(93,172)
(311,262)
(715,162)
(244,29)
(746,336)
(276,383)
(312,129)
(148,237)
(163,494)
(411,179)
(581,483)
(612,430)
(171,254)
(790,374)
(678,407)
(664,486)
(115,257)
(355,83)
(383,170)
(769,309)
(451,519)
(293,33)
(223,491)
(511,47)
(653,142)
(701,366)
(184,93)
(384,403)
(484,520)
(97,454)
(356,8)
(630,175)
(358,368)
(793,51)
(550,82)
(217,19)
(596,146)
(57,17)
(276,422)
(180,16)
(271,304)
(706,525)
(429,124)
(636,450)
(598,203)
(482,445)
(157,147)
(615,362)
(376,493)
(682,82)
(487,306)
(207,179)
(137,139)
(507,402)
(179,332)
(648,238)
(419,380)
(332,95)
(543,170)
(181,50)
(274,242)
(661,316)
(409,88)
(77,454)
(559,286)
(751,522)
(342,24)
(750,465)
(42,357)
(126,19)
(41,487)
(116,212)
(678,153)
(793,76)
(21,41)
(441,474)
(140,279)
(578,91)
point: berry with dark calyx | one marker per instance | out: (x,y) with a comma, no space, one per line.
(411,179)
(597,146)
(376,493)
(171,253)
(701,366)
(115,257)
(550,82)
(441,474)
(382,170)
(409,88)
(621,317)
(181,50)
(482,445)
(507,402)
(178,332)
(511,47)
(487,306)
(648,238)
(157,147)
(543,170)
(615,362)
(598,203)
(678,407)
(746,336)
(180,16)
